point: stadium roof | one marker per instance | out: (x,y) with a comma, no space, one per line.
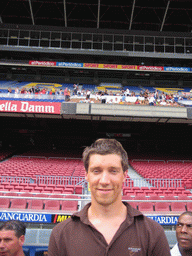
(148,15)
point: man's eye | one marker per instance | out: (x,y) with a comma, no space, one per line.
(114,171)
(96,171)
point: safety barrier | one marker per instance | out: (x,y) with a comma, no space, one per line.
(15,179)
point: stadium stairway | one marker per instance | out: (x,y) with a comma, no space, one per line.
(134,175)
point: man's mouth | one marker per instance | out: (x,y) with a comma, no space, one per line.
(104,190)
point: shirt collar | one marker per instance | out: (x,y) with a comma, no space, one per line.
(83,214)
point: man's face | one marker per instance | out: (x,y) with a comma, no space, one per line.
(105,176)
(184,232)
(10,245)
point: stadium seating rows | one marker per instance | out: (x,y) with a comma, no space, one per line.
(39,204)
(32,166)
(163,170)
(21,166)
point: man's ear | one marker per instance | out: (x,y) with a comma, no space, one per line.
(86,175)
(21,240)
(125,175)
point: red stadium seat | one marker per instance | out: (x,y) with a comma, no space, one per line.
(154,197)
(126,197)
(140,197)
(169,197)
(18,203)
(78,189)
(42,195)
(189,206)
(162,206)
(11,194)
(178,206)
(36,204)
(27,195)
(183,197)
(52,205)
(70,205)
(4,202)
(133,204)
(145,206)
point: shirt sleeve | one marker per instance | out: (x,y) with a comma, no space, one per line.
(161,247)
(53,249)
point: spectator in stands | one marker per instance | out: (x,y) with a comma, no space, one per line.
(66,94)
(17,90)
(9,90)
(127,92)
(43,91)
(37,90)
(121,102)
(23,90)
(103,98)
(61,92)
(184,235)
(107,226)
(75,89)
(32,90)
(137,101)
(53,90)
(151,99)
(12,237)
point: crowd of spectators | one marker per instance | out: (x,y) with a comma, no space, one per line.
(156,98)
(82,95)
(37,91)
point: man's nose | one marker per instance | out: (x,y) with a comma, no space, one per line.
(184,229)
(104,178)
(2,244)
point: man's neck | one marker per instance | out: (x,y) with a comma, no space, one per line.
(107,211)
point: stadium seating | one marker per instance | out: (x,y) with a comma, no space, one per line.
(18,203)
(162,207)
(36,204)
(189,206)
(4,202)
(134,204)
(70,205)
(178,207)
(52,205)
(146,206)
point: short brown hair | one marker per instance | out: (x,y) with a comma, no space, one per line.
(105,147)
(15,225)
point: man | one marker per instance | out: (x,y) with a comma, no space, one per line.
(12,237)
(107,226)
(184,235)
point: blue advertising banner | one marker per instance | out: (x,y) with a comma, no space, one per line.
(165,220)
(177,69)
(69,64)
(56,218)
(26,217)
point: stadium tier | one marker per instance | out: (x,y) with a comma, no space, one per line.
(55,177)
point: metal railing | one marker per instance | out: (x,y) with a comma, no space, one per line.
(15,179)
(71,180)
(59,180)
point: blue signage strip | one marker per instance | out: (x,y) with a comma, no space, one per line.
(26,217)
(69,64)
(177,69)
(55,218)
(165,220)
